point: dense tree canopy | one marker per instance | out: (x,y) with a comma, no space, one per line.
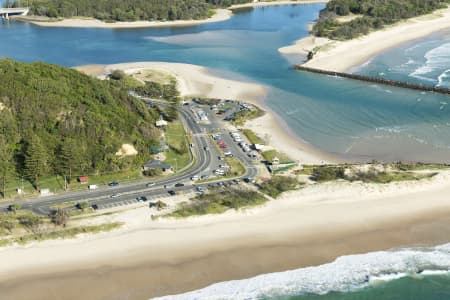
(372,14)
(55,120)
(127,10)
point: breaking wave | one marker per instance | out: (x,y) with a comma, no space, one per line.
(347,273)
(436,59)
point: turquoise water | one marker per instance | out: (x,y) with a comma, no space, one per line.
(433,287)
(403,274)
(425,61)
(354,120)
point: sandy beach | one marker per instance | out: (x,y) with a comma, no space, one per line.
(342,56)
(308,227)
(220,15)
(200,81)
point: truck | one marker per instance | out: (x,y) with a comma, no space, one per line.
(92,187)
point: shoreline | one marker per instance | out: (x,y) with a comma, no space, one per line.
(274,3)
(343,56)
(153,258)
(199,81)
(219,16)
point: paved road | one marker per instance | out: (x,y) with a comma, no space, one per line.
(204,163)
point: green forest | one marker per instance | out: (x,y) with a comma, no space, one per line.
(371,14)
(58,121)
(126,10)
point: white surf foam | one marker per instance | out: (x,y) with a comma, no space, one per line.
(344,274)
(436,59)
(444,79)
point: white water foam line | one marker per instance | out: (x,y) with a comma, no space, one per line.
(346,273)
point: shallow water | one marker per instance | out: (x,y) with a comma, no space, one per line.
(432,287)
(355,120)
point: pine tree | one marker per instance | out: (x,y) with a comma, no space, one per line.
(36,162)
(69,157)
(6,165)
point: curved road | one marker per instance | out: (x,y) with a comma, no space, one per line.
(203,162)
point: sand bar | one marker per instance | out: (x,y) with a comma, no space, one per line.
(220,15)
(202,82)
(342,56)
(307,227)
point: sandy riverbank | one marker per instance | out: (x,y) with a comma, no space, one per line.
(308,227)
(342,56)
(220,15)
(200,81)
(276,2)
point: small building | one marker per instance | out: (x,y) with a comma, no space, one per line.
(258,147)
(161,123)
(83,179)
(275,161)
(156,164)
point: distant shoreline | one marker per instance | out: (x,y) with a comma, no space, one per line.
(276,2)
(219,16)
(342,56)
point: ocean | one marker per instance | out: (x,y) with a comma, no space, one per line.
(421,273)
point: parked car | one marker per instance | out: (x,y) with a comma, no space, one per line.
(204,177)
(94,206)
(113,183)
(141,199)
(172,193)
(150,184)
(179,184)
(206,148)
(195,178)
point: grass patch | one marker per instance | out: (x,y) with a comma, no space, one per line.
(153,76)
(178,153)
(279,184)
(56,183)
(271,154)
(419,166)
(328,173)
(217,202)
(331,173)
(63,205)
(244,115)
(252,137)
(60,234)
(306,170)
(236,167)
(387,177)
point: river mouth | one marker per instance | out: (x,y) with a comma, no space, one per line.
(351,120)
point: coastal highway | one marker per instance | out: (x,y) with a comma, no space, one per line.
(204,162)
